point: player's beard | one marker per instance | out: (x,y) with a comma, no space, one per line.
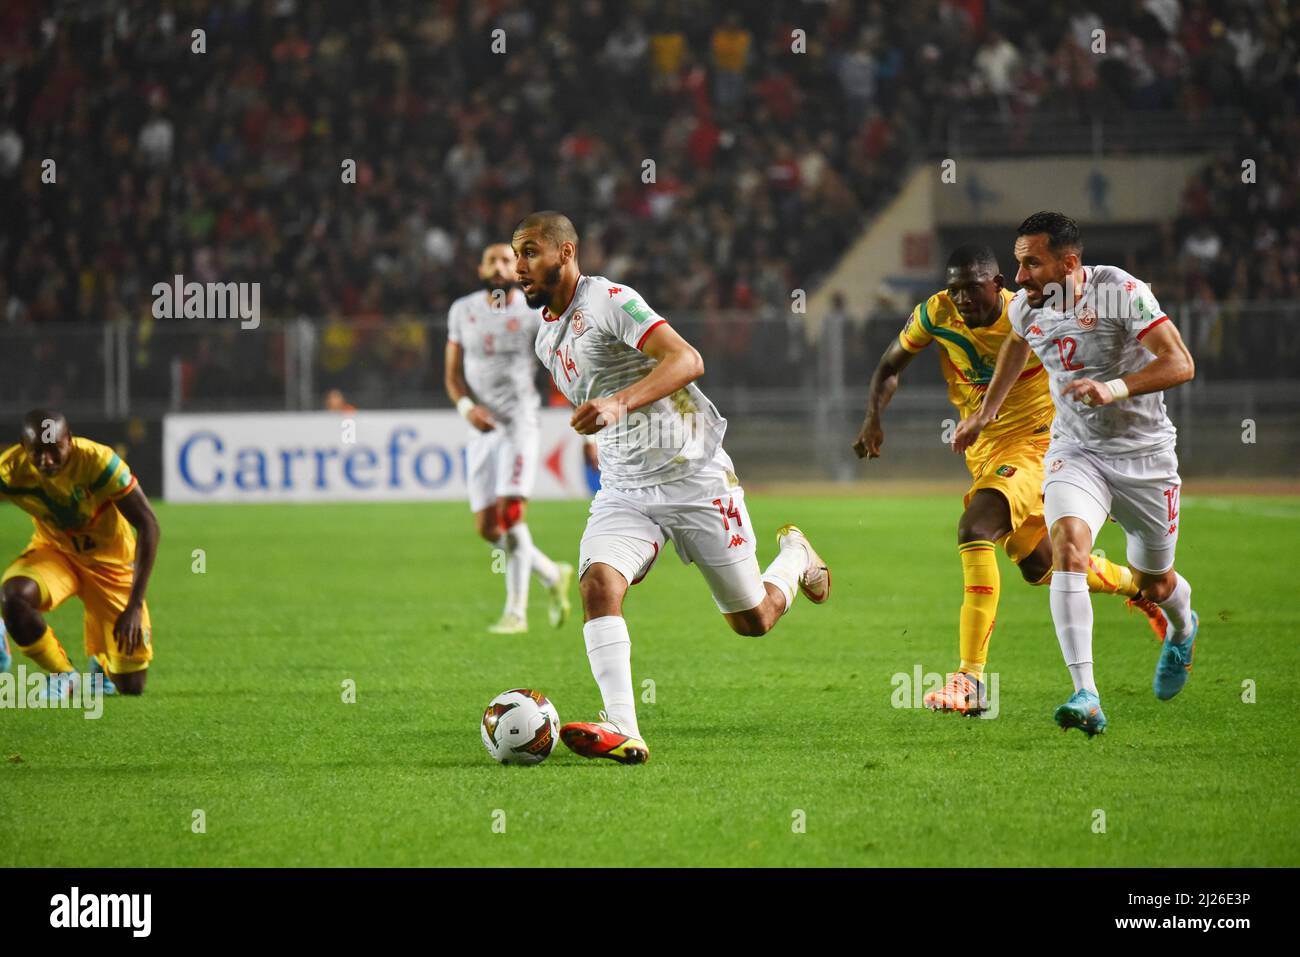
(539,293)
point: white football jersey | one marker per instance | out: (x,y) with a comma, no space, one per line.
(1099,338)
(593,349)
(498,355)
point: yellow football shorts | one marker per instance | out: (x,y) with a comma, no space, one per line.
(1014,467)
(104,590)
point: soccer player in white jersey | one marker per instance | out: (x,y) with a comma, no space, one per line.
(664,474)
(1110,351)
(490,353)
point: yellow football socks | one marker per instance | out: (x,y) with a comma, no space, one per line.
(48,653)
(979,607)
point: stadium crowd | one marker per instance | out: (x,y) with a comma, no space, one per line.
(229,164)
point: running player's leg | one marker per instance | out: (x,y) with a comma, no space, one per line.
(1076,501)
(710,526)
(1030,548)
(516,479)
(481,457)
(38,581)
(618,548)
(1147,492)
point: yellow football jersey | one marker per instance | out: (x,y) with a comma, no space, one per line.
(967,357)
(72,511)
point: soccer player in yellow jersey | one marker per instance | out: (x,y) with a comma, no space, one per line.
(1004,505)
(95,536)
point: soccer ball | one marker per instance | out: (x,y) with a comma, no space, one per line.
(520,727)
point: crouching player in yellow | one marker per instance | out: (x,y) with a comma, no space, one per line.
(96,537)
(1004,505)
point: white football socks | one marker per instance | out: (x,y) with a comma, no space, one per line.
(1178,608)
(519,562)
(1072,615)
(791,561)
(609,649)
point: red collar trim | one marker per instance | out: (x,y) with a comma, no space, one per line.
(546,312)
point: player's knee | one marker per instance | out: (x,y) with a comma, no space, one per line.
(1069,556)
(750,624)
(512,513)
(19,594)
(976,528)
(602,590)
(1033,569)
(485,523)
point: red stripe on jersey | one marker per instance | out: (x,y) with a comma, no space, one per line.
(1028,372)
(653,327)
(1150,327)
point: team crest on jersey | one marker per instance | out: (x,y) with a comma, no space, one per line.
(1006,471)
(1057,465)
(1034,330)
(578,325)
(1087,317)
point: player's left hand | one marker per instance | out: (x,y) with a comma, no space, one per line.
(129,629)
(594,415)
(1089,392)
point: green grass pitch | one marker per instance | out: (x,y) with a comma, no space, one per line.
(782,750)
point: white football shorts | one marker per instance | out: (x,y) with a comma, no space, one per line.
(1141,493)
(703,515)
(500,464)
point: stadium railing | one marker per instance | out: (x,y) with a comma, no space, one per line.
(794,404)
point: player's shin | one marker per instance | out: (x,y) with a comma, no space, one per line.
(979,607)
(519,564)
(1178,608)
(609,649)
(48,653)
(547,571)
(1072,615)
(790,562)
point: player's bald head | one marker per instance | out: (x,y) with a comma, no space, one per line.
(43,427)
(549,226)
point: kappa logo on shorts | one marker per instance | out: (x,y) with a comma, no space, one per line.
(1006,471)
(1057,465)
(1087,317)
(736,540)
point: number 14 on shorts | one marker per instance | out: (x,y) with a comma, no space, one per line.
(730,513)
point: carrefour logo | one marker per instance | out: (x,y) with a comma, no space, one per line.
(208,464)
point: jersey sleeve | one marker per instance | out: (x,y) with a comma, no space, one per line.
(626,316)
(914,336)
(1143,312)
(110,478)
(453,324)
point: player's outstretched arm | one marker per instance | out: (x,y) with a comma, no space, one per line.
(453,380)
(677,363)
(1010,363)
(135,508)
(1173,366)
(884,383)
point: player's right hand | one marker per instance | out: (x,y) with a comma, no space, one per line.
(481,419)
(867,445)
(968,430)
